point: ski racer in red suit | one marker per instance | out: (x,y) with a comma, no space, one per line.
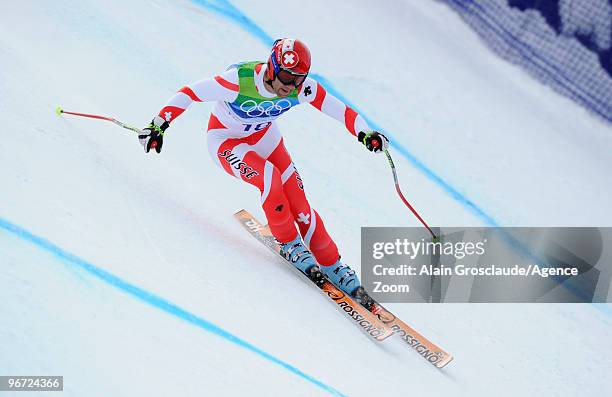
(243,139)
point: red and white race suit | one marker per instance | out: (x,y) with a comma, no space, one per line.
(249,146)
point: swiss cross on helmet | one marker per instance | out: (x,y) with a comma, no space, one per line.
(291,56)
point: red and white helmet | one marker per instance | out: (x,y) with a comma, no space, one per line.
(290,55)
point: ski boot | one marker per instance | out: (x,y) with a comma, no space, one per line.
(296,252)
(342,276)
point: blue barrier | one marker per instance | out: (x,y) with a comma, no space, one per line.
(566,44)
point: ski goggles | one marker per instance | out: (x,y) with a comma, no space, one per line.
(288,78)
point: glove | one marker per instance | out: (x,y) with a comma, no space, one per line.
(374,141)
(152,137)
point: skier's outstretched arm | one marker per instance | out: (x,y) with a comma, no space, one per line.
(315,94)
(223,87)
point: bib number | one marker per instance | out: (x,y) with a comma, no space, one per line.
(256,127)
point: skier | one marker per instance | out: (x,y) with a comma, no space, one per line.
(244,140)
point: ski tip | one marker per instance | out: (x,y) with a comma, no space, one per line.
(59,110)
(239,213)
(444,361)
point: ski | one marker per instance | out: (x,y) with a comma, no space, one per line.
(360,315)
(376,314)
(424,347)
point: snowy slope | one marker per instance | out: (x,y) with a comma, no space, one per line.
(161,264)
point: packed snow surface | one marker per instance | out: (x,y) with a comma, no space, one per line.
(126,273)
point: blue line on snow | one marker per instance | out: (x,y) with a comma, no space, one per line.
(154,300)
(229,11)
(454,193)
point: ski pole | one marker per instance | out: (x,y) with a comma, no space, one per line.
(399,192)
(61,111)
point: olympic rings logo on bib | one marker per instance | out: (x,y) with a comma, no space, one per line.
(265,108)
